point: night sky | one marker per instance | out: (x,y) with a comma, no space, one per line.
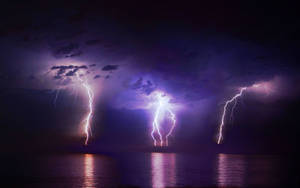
(200,54)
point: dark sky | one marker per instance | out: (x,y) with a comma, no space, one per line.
(200,53)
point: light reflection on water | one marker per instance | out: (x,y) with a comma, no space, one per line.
(98,171)
(158,170)
(231,170)
(163,167)
(89,176)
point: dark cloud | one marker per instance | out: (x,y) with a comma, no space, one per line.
(69,50)
(92,65)
(65,67)
(97,76)
(110,67)
(148,87)
(72,72)
(82,67)
(144,87)
(107,77)
(62,69)
(138,84)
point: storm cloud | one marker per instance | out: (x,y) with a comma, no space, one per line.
(110,67)
(69,50)
(194,64)
(197,56)
(61,70)
(97,76)
(146,87)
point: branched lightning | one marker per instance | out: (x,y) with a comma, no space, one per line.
(162,105)
(155,124)
(87,119)
(233,99)
(173,118)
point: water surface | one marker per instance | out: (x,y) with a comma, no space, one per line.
(158,170)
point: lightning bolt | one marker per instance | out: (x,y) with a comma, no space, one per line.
(155,124)
(87,119)
(173,118)
(233,99)
(162,105)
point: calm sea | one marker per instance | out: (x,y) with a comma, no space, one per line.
(157,170)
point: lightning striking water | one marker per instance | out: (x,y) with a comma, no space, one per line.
(87,119)
(155,124)
(233,99)
(173,118)
(162,105)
